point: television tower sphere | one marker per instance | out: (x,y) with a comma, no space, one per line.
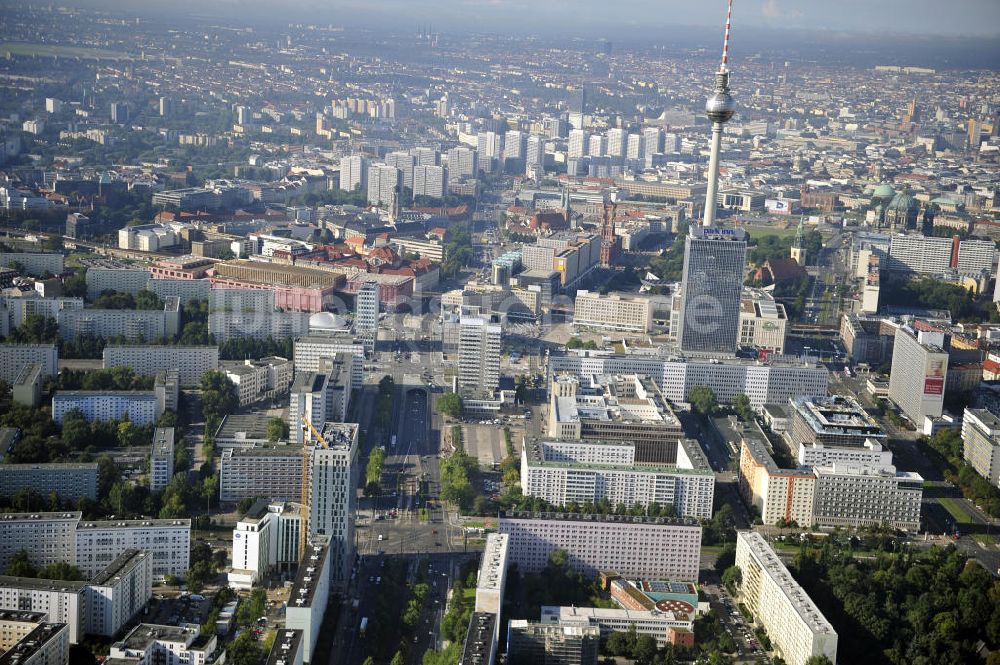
(720,107)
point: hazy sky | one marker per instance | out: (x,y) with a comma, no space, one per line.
(923,17)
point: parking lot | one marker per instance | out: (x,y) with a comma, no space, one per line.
(484,442)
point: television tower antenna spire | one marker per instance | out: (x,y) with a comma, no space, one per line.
(719,108)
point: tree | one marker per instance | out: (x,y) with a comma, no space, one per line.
(450,404)
(703,400)
(277,429)
(245,651)
(645,649)
(61,571)
(732,577)
(398,659)
(742,407)
(818,660)
(218,395)
(20,565)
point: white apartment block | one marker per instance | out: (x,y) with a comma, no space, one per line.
(167,541)
(257,325)
(274,472)
(919,374)
(309,350)
(860,495)
(763,323)
(47,537)
(161,459)
(240,300)
(430,181)
(654,623)
(15,356)
(259,379)
(981,443)
(772,383)
(612,312)
(308,597)
(384,184)
(118,593)
(778,494)
(265,537)
(15,310)
(547,472)
(333,496)
(166,645)
(67,479)
(132,324)
(46,644)
(478,356)
(189,361)
(798,630)
(643,547)
(62,601)
(816,454)
(142,407)
(353,173)
(124,280)
(36,264)
(936,256)
(492,574)
(15,625)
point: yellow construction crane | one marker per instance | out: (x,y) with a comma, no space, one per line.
(306,482)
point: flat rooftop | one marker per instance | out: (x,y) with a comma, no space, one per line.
(31,643)
(38,584)
(123,564)
(33,517)
(135,524)
(142,635)
(49,466)
(307,578)
(478,649)
(534,451)
(837,415)
(289,450)
(285,644)
(243,426)
(492,568)
(776,571)
(339,435)
(594,518)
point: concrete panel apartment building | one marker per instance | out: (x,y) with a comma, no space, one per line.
(98,543)
(981,443)
(798,630)
(271,471)
(561,472)
(624,313)
(47,537)
(643,547)
(778,494)
(132,324)
(67,479)
(15,356)
(142,407)
(189,361)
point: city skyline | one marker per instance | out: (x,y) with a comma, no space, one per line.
(895,17)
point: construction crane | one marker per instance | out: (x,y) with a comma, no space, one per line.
(306,482)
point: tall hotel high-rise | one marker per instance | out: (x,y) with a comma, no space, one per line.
(714,258)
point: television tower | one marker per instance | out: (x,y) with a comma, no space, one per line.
(719,108)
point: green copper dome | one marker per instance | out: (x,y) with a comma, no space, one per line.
(884,191)
(903,201)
